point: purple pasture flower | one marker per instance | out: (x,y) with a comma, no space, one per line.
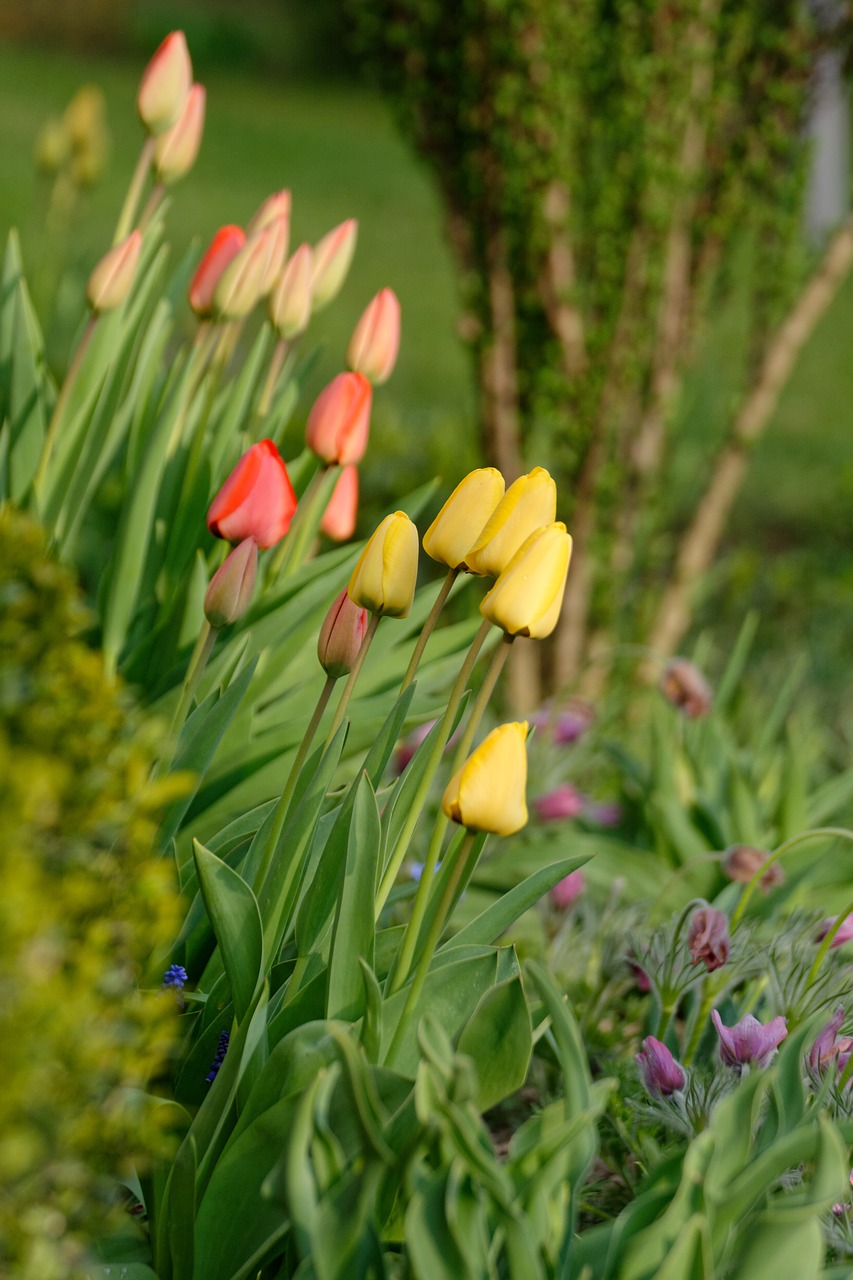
(742,861)
(661,1073)
(708,938)
(606,814)
(567,725)
(684,685)
(845,933)
(563,802)
(567,891)
(175,977)
(749,1041)
(830,1046)
(219,1057)
(407,748)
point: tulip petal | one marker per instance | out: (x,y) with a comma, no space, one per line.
(461,520)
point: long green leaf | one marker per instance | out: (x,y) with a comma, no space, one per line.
(236,921)
(353,930)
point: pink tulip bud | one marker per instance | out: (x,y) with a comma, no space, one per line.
(165,84)
(279,233)
(340,636)
(256,501)
(274,207)
(223,248)
(332,258)
(339,421)
(230,591)
(176,150)
(240,285)
(290,300)
(338,521)
(112,279)
(376,339)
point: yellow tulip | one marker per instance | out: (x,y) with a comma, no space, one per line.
(461,520)
(487,793)
(528,504)
(528,595)
(384,579)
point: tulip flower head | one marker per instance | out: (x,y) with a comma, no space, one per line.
(241,283)
(563,802)
(256,501)
(383,581)
(749,1041)
(341,636)
(661,1074)
(339,518)
(461,520)
(165,84)
(528,504)
(528,595)
(176,150)
(376,339)
(231,588)
(708,938)
(566,892)
(112,279)
(273,208)
(488,792)
(684,685)
(741,862)
(223,248)
(279,236)
(331,262)
(339,421)
(290,300)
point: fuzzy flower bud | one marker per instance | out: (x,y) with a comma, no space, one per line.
(749,1041)
(331,262)
(165,84)
(256,501)
(528,504)
(461,520)
(528,595)
(176,150)
(376,339)
(339,518)
(386,573)
(223,248)
(844,934)
(708,938)
(339,421)
(488,792)
(828,1046)
(112,279)
(661,1074)
(563,802)
(290,300)
(230,591)
(741,862)
(341,636)
(685,687)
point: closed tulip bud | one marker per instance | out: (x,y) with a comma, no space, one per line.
(223,248)
(165,84)
(290,300)
(332,258)
(684,685)
(274,207)
(376,339)
(383,581)
(341,635)
(339,517)
(256,501)
(662,1075)
(240,285)
(230,592)
(708,938)
(528,504)
(527,597)
(279,234)
(176,150)
(339,421)
(488,792)
(112,279)
(461,520)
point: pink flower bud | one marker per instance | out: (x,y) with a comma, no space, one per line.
(749,1041)
(685,687)
(290,300)
(256,501)
(112,279)
(708,938)
(274,207)
(662,1075)
(240,285)
(332,258)
(376,340)
(741,862)
(175,150)
(341,635)
(223,248)
(165,84)
(567,891)
(844,934)
(339,421)
(339,517)
(230,591)
(562,802)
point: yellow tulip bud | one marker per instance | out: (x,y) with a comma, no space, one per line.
(460,521)
(528,504)
(384,579)
(487,793)
(527,597)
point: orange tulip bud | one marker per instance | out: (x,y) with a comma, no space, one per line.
(175,150)
(240,285)
(256,501)
(290,300)
(165,84)
(274,207)
(339,517)
(223,248)
(376,339)
(112,279)
(230,591)
(339,421)
(332,258)
(341,635)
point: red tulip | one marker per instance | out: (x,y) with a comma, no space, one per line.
(339,422)
(256,501)
(338,520)
(224,246)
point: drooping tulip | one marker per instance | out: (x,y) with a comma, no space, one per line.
(459,523)
(488,792)
(375,341)
(749,1041)
(256,501)
(528,595)
(112,279)
(661,1074)
(340,515)
(231,588)
(165,84)
(528,504)
(341,636)
(176,150)
(223,248)
(331,262)
(339,422)
(384,578)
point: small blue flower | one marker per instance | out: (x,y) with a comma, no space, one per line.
(221,1050)
(175,977)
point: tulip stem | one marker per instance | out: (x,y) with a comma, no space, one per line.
(353,676)
(438,923)
(279,356)
(749,889)
(134,191)
(195,670)
(427,628)
(289,553)
(61,405)
(398,853)
(413,928)
(292,779)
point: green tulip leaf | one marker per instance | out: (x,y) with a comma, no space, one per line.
(498,1037)
(236,921)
